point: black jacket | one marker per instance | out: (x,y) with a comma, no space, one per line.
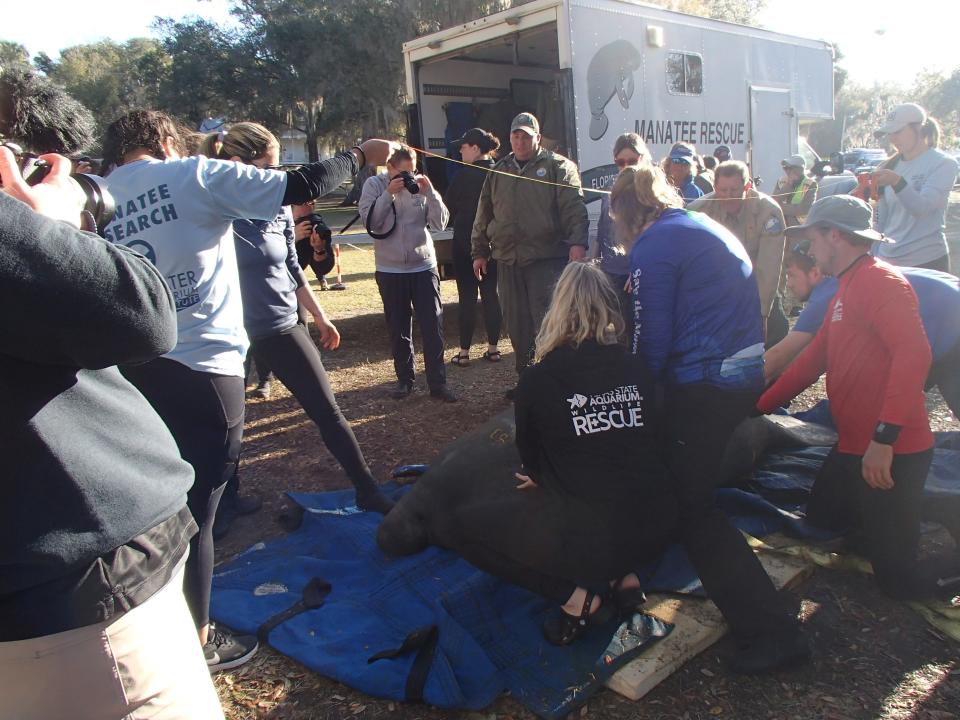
(587,425)
(88,464)
(462,197)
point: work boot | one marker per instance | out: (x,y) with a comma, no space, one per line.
(401,390)
(769,652)
(443,392)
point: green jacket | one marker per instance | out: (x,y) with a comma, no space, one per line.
(522,221)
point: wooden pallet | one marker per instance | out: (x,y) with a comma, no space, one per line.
(697,626)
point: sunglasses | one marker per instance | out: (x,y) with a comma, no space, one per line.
(623,162)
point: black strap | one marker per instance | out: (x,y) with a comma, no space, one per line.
(381,236)
(424,641)
(314,595)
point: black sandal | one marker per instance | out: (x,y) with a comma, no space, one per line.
(563,629)
(492,356)
(460,360)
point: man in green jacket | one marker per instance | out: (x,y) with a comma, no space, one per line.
(532,225)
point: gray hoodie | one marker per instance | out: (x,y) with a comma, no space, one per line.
(409,248)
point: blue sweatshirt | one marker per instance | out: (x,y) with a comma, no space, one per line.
(696,305)
(270,274)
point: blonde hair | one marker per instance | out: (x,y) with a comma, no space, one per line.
(638,197)
(584,307)
(248,141)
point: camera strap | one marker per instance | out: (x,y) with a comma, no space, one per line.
(381,236)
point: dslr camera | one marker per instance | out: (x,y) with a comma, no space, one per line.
(409,182)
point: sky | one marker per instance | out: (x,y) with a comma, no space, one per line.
(880,41)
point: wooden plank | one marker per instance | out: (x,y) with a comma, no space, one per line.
(697,626)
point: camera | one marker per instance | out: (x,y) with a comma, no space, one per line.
(409,182)
(98,202)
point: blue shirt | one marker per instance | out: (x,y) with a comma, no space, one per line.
(689,191)
(937,292)
(696,303)
(269,274)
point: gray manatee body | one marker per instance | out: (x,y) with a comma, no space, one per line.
(479,468)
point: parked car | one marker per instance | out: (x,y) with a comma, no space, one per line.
(860,158)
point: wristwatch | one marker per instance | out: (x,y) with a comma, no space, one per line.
(886,433)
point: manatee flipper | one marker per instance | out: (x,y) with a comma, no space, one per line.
(598,125)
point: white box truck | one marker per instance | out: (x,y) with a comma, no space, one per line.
(593,69)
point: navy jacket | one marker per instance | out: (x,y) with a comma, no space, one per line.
(696,304)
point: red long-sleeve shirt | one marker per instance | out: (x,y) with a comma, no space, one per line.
(874,350)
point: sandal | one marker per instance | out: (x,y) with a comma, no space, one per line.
(460,360)
(563,629)
(492,356)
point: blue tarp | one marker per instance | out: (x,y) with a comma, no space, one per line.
(486,633)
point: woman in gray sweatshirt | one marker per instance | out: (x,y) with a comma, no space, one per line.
(913,188)
(399,208)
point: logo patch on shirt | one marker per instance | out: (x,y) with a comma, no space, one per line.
(773,226)
(837,312)
(541,172)
(615,409)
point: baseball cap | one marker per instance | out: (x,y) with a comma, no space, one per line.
(900,117)
(794,161)
(526,122)
(843,212)
(473,136)
(682,154)
(722,150)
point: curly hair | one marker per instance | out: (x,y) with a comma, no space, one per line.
(147,129)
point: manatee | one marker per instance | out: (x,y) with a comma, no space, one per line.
(610,73)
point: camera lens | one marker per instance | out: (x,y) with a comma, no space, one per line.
(410,182)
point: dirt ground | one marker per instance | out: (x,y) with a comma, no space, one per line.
(874,658)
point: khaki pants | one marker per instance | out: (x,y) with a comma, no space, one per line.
(146,664)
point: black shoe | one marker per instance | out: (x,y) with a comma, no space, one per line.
(401,390)
(225,651)
(511,393)
(246,504)
(563,629)
(771,652)
(371,499)
(443,392)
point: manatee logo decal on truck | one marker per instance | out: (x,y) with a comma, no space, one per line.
(610,73)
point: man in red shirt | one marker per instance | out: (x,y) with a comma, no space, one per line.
(875,353)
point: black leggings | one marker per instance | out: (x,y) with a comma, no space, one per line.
(295,360)
(204,413)
(467,288)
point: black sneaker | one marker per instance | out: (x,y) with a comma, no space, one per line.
(262,390)
(443,392)
(225,651)
(401,390)
(770,652)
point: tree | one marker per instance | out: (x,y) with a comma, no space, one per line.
(739,11)
(107,77)
(939,94)
(12,54)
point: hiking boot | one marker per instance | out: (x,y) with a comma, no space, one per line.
(443,392)
(225,651)
(401,390)
(770,652)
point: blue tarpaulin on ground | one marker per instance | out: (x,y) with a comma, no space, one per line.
(432,627)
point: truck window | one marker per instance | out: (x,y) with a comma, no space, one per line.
(684,73)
